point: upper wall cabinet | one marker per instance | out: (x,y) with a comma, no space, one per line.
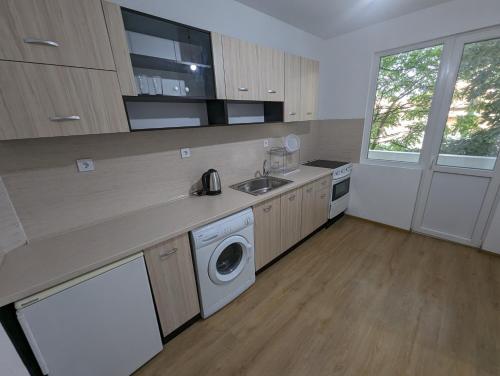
(241,73)
(292,88)
(38,100)
(249,71)
(301,88)
(309,75)
(59,32)
(271,65)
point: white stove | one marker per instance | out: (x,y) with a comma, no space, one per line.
(341,173)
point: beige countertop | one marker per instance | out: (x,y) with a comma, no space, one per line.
(45,263)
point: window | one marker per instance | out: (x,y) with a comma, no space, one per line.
(405,88)
(472,134)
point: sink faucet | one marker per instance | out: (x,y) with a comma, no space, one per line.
(265,171)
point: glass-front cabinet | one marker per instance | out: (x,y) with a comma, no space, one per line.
(169,59)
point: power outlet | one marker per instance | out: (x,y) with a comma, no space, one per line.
(266,143)
(85,165)
(185,152)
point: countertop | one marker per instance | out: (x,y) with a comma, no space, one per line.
(45,263)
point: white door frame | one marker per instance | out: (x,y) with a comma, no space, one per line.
(451,60)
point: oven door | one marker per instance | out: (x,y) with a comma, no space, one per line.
(340,188)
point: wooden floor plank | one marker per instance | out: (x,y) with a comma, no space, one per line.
(355,299)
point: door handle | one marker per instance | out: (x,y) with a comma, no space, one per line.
(44,42)
(168,253)
(432,162)
(65,118)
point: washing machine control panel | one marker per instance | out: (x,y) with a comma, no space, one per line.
(225,227)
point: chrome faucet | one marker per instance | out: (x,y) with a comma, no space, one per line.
(265,171)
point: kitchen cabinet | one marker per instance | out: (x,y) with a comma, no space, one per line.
(119,46)
(59,32)
(271,64)
(241,71)
(292,107)
(309,75)
(291,218)
(38,100)
(267,231)
(315,205)
(172,277)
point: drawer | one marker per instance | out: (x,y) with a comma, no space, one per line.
(35,100)
(323,183)
(61,32)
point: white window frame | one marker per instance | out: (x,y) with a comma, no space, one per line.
(372,92)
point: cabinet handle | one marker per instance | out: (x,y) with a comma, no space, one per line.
(271,91)
(166,254)
(309,113)
(291,198)
(309,190)
(323,195)
(243,89)
(292,113)
(65,118)
(43,42)
(323,182)
(268,209)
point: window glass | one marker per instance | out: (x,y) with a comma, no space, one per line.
(405,88)
(472,135)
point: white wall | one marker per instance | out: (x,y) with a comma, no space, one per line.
(492,239)
(234,19)
(347,59)
(10,363)
(384,194)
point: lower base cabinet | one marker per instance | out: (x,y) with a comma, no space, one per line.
(282,222)
(173,281)
(267,231)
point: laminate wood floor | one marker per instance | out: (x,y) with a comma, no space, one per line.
(356,299)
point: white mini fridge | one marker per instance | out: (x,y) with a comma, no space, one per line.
(101,324)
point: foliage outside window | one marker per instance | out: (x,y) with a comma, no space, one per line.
(405,88)
(473,125)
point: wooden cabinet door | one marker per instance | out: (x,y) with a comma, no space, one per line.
(172,277)
(120,48)
(241,71)
(267,231)
(309,221)
(291,218)
(309,88)
(38,100)
(60,32)
(292,88)
(271,65)
(322,198)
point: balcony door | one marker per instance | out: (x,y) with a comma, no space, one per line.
(461,174)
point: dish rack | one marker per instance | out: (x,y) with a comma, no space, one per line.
(283,161)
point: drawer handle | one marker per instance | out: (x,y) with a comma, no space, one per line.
(309,190)
(291,198)
(165,255)
(271,91)
(323,182)
(323,195)
(268,209)
(292,113)
(243,89)
(65,118)
(43,42)
(309,113)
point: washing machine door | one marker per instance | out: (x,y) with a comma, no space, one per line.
(229,259)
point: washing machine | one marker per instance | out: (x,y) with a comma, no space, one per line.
(223,254)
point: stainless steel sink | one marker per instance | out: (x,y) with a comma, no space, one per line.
(261,185)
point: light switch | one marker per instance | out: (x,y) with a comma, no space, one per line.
(85,165)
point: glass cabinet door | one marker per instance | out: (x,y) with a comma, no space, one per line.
(169,59)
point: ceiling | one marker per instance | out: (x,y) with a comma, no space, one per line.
(329,18)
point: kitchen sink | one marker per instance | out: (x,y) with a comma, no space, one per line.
(260,185)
